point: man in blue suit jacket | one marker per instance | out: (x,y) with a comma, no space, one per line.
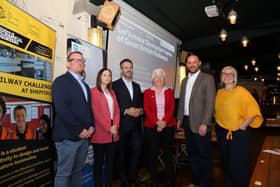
(129,97)
(73,123)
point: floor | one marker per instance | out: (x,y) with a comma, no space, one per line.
(183,174)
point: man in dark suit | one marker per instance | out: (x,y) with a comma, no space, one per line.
(129,97)
(73,123)
(195,110)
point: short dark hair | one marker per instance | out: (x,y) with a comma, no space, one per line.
(46,119)
(98,79)
(126,60)
(73,52)
(192,54)
(19,107)
(3,104)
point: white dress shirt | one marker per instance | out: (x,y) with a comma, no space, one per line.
(79,78)
(189,86)
(110,103)
(129,86)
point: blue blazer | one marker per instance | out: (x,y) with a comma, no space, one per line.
(128,122)
(72,112)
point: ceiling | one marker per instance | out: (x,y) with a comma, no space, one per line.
(258,20)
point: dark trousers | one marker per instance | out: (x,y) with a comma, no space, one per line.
(103,152)
(199,150)
(157,141)
(235,156)
(129,151)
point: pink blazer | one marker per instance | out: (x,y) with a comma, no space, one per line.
(102,118)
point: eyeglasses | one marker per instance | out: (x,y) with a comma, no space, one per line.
(227,74)
(77,60)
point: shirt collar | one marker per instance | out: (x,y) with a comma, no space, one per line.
(76,76)
(163,89)
(194,74)
(127,81)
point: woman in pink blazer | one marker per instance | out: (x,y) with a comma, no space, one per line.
(159,105)
(106,118)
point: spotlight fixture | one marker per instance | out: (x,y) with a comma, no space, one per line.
(253,61)
(232,16)
(223,35)
(244,41)
(211,11)
(246,67)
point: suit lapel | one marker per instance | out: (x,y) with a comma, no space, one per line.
(134,90)
(195,85)
(126,89)
(75,82)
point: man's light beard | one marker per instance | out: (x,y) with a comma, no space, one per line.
(126,77)
(194,71)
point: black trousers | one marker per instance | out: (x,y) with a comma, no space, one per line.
(103,152)
(157,141)
(235,156)
(199,150)
(129,152)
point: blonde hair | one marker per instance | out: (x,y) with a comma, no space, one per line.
(235,75)
(158,71)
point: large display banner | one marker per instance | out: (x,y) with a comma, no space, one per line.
(26,60)
(26,50)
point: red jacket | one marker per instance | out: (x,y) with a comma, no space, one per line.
(102,119)
(150,108)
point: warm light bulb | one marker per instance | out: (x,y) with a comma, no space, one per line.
(274,99)
(244,41)
(253,61)
(232,16)
(223,35)
(278,79)
(256,69)
(278,67)
(255,78)
(262,79)
(246,67)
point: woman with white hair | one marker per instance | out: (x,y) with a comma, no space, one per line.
(159,104)
(235,111)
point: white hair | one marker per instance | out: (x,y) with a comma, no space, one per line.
(158,72)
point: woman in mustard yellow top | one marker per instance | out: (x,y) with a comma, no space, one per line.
(235,111)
